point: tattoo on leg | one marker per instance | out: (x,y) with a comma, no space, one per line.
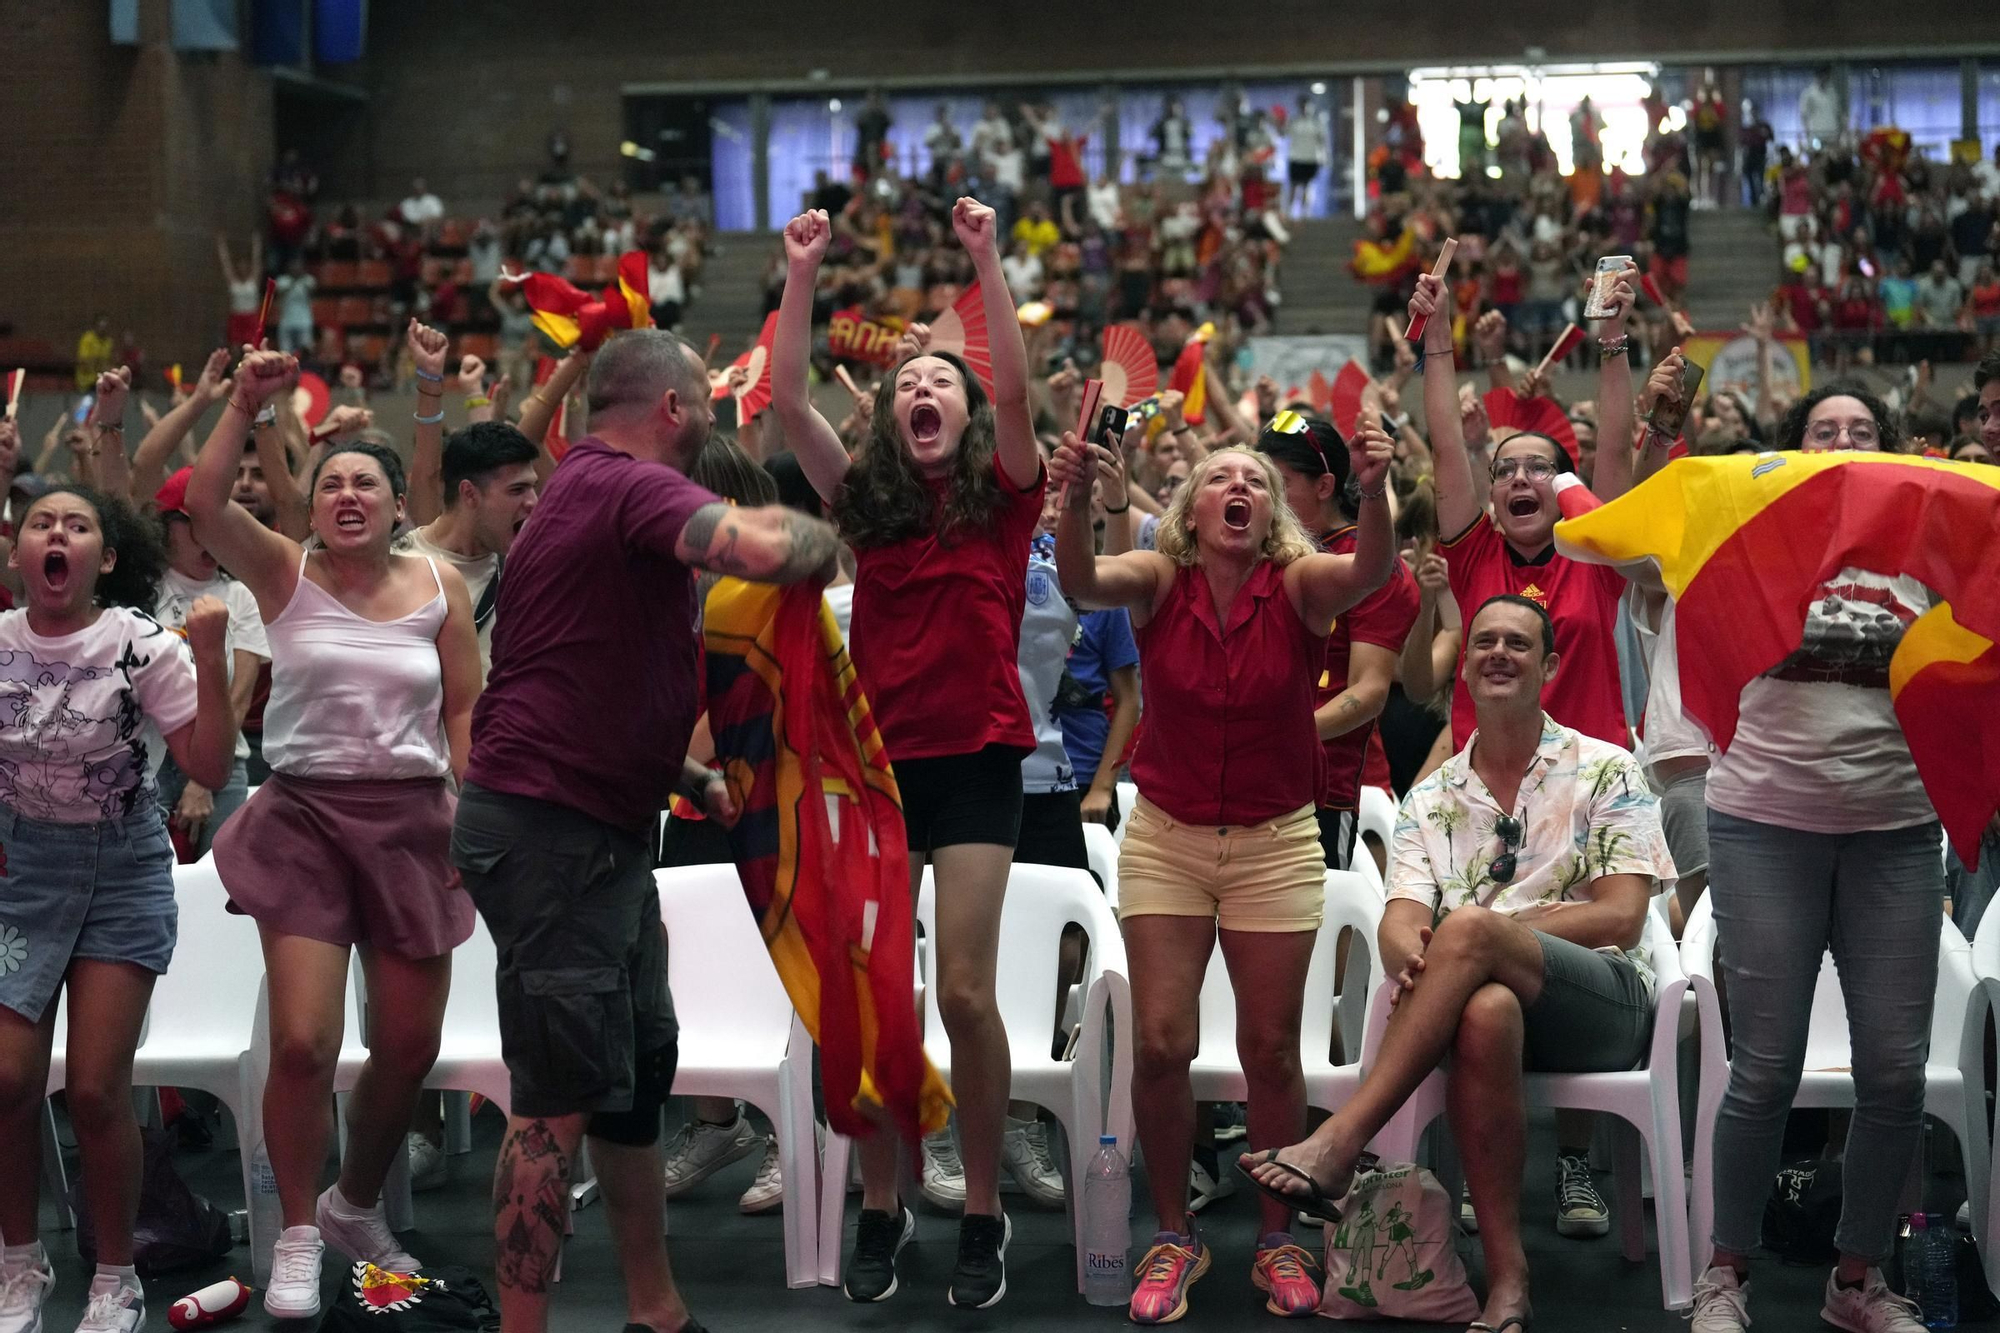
(530,1195)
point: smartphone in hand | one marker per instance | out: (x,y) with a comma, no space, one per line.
(1602,282)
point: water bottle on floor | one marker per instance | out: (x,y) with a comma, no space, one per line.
(1930,1271)
(266,1218)
(1107,1226)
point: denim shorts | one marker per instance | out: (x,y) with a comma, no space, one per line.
(102,891)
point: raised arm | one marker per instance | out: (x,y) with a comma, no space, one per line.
(1132,580)
(267,562)
(539,412)
(205,749)
(766,544)
(1430,654)
(1613,476)
(458,658)
(821,455)
(149,463)
(1451,467)
(1662,391)
(281,447)
(1323,586)
(1013,423)
(107,432)
(428,347)
(471,383)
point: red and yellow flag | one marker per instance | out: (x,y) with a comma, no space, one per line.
(820,846)
(1744,545)
(1190,375)
(1378,261)
(569,315)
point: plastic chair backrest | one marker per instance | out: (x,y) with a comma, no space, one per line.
(1376,814)
(1350,904)
(719,969)
(1100,846)
(211,988)
(1128,797)
(471,1018)
(1041,901)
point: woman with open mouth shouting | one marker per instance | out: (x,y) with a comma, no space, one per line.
(1232,613)
(939,507)
(86,867)
(374,669)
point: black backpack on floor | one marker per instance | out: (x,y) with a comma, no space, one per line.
(431,1300)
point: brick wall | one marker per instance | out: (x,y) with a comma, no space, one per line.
(119,164)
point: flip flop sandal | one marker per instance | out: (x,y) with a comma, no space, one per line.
(1519,1321)
(1320,1205)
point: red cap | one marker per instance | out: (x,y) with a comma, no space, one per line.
(171,498)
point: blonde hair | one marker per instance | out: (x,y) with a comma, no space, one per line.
(1284,543)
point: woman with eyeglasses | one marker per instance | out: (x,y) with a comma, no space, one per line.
(1840,416)
(1231,613)
(1821,837)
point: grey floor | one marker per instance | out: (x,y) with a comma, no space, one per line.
(732,1267)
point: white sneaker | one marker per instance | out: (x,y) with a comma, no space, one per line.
(23,1289)
(426,1163)
(1870,1307)
(362,1234)
(1721,1302)
(1580,1209)
(1468,1220)
(943,1183)
(698,1150)
(115,1306)
(293,1289)
(1204,1189)
(1024,1150)
(767,1191)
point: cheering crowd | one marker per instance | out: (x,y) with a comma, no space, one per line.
(1284,610)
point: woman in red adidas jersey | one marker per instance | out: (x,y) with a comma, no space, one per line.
(939,507)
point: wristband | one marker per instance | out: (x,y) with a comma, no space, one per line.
(1375,494)
(1400,422)
(1611,347)
(430,420)
(1121,509)
(108,426)
(477,400)
(426,375)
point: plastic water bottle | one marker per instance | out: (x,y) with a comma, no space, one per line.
(267,1219)
(1930,1271)
(1107,1226)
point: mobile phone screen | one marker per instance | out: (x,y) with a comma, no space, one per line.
(1110,425)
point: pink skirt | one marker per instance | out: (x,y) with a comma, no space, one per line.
(349,863)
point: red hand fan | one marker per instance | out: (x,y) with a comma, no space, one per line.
(961,331)
(1130,370)
(756,395)
(1343,407)
(1538,415)
(311,399)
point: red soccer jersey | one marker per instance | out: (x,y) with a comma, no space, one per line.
(1382,618)
(1581,598)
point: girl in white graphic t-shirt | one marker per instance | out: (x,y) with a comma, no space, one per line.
(86,869)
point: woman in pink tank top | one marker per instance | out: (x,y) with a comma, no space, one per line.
(375,667)
(1232,614)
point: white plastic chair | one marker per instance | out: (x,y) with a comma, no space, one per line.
(1984,1004)
(1101,845)
(1376,814)
(1041,902)
(1128,798)
(1954,1075)
(740,1037)
(1647,1098)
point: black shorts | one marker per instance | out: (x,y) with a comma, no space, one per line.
(1303,173)
(695,842)
(1052,830)
(1336,837)
(956,798)
(1594,1014)
(575,918)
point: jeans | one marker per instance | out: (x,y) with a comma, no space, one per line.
(1782,896)
(228,800)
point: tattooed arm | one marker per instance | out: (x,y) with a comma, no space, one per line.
(767,544)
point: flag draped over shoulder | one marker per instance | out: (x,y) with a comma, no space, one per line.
(1744,545)
(820,845)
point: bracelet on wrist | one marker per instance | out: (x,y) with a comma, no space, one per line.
(430,420)
(1610,347)
(423,374)
(477,400)
(1375,494)
(1121,509)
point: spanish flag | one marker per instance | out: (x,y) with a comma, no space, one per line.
(1375,262)
(1744,545)
(569,315)
(1190,375)
(820,846)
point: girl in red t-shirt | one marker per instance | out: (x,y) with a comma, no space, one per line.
(1232,614)
(939,508)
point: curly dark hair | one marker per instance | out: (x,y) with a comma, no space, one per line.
(1792,430)
(883,498)
(385,458)
(134,580)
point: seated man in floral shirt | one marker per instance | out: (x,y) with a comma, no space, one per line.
(1518,890)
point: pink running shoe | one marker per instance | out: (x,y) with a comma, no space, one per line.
(1174,1264)
(1280,1272)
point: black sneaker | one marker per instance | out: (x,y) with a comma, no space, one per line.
(980,1278)
(878,1238)
(692,1325)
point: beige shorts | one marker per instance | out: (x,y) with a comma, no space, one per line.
(1269,876)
